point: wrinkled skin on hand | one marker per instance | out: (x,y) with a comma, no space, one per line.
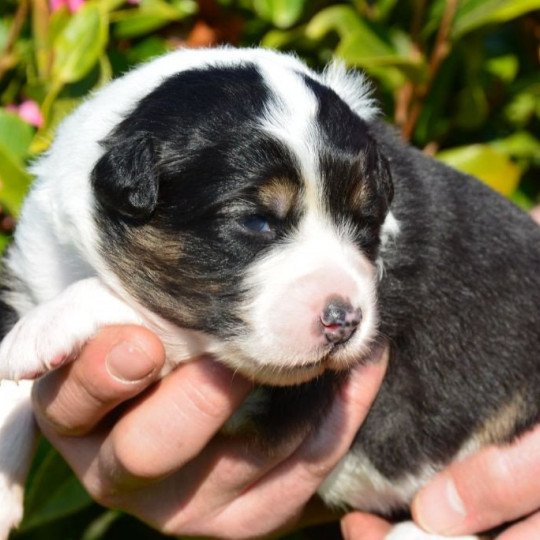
(162,457)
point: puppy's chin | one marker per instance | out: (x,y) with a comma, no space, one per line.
(284,376)
(337,358)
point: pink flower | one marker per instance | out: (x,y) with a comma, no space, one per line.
(29,111)
(72,5)
(55,5)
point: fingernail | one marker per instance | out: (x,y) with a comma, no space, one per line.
(438,508)
(127,362)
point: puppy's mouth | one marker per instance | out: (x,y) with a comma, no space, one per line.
(301,373)
(288,375)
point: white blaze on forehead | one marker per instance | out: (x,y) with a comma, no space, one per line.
(291,117)
(292,285)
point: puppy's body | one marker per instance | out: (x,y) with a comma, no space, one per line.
(237,203)
(459,304)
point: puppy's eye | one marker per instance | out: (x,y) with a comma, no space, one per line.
(257,224)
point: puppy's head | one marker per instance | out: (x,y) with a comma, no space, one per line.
(246,201)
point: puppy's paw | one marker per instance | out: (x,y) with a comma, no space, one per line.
(410,531)
(53,332)
(38,343)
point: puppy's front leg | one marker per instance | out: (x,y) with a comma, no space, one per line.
(54,331)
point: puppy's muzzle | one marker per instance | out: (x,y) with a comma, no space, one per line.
(339,321)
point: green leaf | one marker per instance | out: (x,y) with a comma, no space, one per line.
(54,493)
(5,239)
(60,109)
(281,13)
(504,67)
(147,48)
(486,163)
(472,106)
(100,526)
(14,181)
(150,15)
(5,25)
(79,45)
(15,135)
(284,39)
(473,14)
(524,106)
(341,19)
(384,8)
(520,145)
(359,51)
(362,45)
(111,5)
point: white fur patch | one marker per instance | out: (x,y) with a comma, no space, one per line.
(18,427)
(356,483)
(410,531)
(46,336)
(290,288)
(353,88)
(389,234)
(63,293)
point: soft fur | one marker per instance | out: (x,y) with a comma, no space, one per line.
(238,203)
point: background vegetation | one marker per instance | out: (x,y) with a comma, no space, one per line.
(459,77)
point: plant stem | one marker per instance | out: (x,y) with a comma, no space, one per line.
(15,30)
(440,51)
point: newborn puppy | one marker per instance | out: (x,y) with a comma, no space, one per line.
(239,204)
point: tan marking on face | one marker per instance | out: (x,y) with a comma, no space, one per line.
(501,426)
(279,196)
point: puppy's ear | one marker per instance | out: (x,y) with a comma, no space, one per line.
(383,180)
(379,177)
(125,179)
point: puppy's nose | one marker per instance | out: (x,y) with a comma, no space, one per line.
(339,321)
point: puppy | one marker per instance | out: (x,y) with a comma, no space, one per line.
(239,204)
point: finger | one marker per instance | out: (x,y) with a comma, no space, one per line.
(196,505)
(172,422)
(496,485)
(216,492)
(301,475)
(528,529)
(359,526)
(116,365)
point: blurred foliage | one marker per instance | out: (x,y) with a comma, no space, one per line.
(460,79)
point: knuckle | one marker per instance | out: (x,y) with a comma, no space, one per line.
(499,478)
(103,491)
(209,404)
(87,390)
(130,459)
(188,522)
(318,470)
(57,413)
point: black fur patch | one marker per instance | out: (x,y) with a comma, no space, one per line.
(461,289)
(183,256)
(356,176)
(460,305)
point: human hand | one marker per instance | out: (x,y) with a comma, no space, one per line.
(494,486)
(160,456)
